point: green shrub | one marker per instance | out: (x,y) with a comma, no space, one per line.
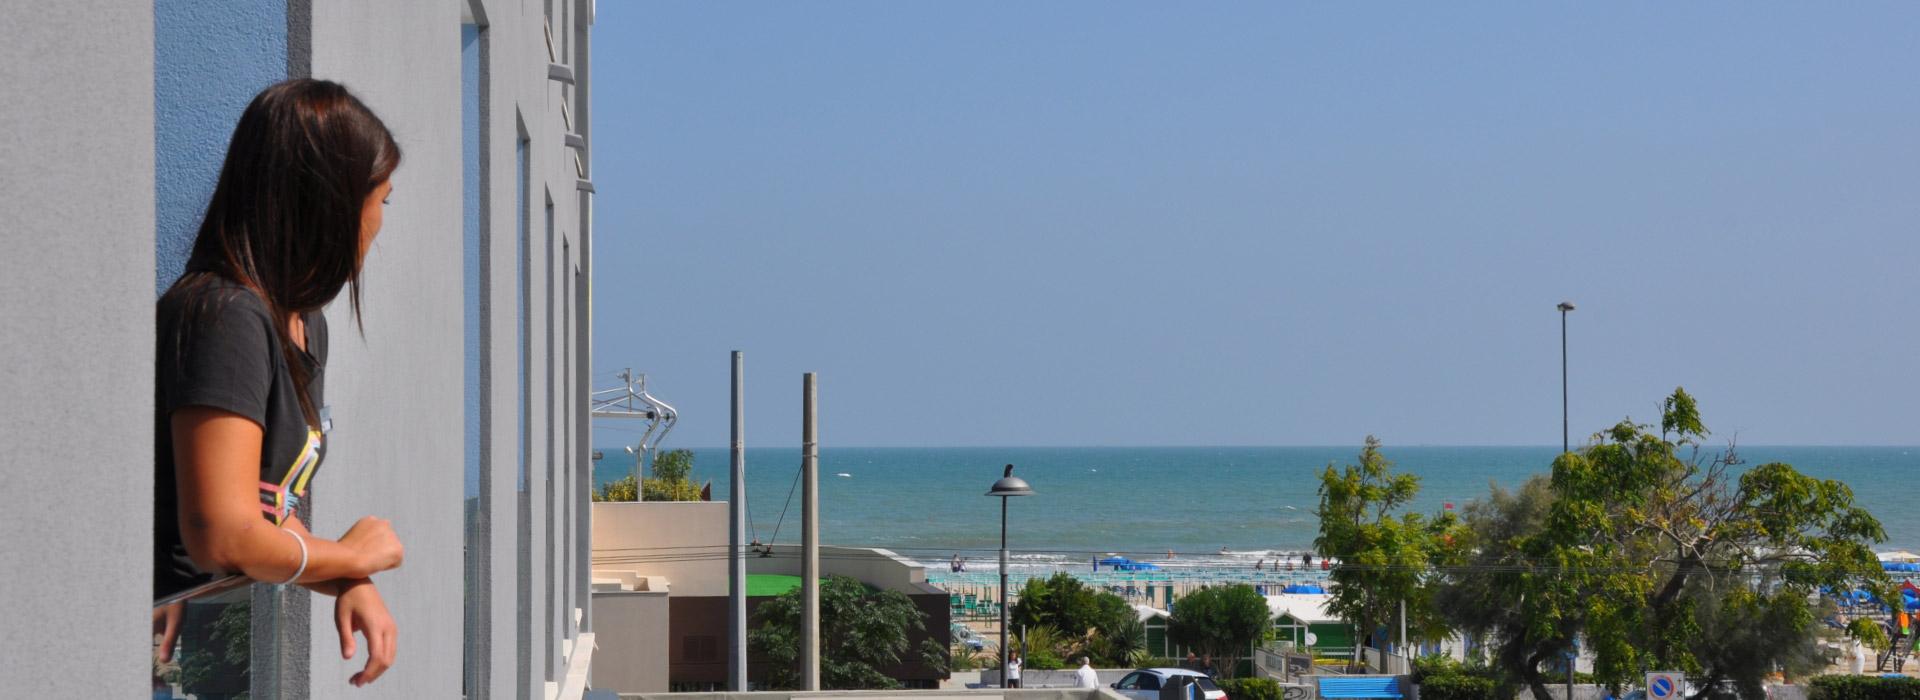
(1863,688)
(1456,686)
(1251,688)
(1435,665)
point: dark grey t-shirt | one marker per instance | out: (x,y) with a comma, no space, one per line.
(216,347)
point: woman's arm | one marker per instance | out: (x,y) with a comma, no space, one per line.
(217,458)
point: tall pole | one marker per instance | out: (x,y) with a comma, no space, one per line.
(1007,487)
(810,538)
(1003,592)
(737,531)
(1565,444)
(1406,656)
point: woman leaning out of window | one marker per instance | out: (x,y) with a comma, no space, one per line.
(240,416)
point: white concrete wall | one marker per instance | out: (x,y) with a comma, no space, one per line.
(77,286)
(76,352)
(397,394)
(875,567)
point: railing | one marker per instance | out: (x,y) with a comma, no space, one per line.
(1281,664)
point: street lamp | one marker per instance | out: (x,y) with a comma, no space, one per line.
(1007,487)
(1565,445)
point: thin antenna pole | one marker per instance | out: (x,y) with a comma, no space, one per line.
(737,529)
(626,375)
(810,536)
(1566,445)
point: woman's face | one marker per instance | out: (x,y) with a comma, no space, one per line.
(372,212)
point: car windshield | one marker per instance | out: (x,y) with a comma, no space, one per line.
(1205,683)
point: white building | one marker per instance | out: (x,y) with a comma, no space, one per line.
(470,378)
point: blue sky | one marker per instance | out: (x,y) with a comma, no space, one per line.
(1260,223)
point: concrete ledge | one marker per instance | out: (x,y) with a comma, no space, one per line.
(574,684)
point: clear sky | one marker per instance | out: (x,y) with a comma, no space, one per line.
(1115,223)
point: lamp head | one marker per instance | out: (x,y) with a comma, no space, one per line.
(1565,306)
(1010,485)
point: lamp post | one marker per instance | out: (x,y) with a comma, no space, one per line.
(1564,307)
(1007,487)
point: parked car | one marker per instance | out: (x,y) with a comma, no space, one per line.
(1144,684)
(964,636)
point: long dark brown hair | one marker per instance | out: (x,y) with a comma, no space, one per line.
(284,219)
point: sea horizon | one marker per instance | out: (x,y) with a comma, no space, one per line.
(929,502)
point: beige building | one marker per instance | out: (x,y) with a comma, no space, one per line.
(660,595)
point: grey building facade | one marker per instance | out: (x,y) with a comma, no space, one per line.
(459,411)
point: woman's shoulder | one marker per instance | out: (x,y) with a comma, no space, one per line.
(213,307)
(215,296)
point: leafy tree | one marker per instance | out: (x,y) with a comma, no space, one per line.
(1069,605)
(1119,645)
(1493,591)
(672,480)
(862,630)
(1383,557)
(1659,556)
(1041,648)
(1221,621)
(622,489)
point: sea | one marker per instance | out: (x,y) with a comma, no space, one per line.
(1229,504)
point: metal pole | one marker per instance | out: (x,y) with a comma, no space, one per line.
(737,531)
(1565,444)
(810,538)
(1003,591)
(1404,656)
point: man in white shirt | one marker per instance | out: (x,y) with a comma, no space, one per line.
(1086,677)
(1013,671)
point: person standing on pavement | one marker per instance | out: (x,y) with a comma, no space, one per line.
(1086,677)
(1013,671)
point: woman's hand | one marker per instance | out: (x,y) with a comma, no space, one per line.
(360,609)
(378,547)
(166,623)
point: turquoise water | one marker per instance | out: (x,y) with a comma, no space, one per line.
(929,503)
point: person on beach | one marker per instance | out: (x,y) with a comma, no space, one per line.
(1013,670)
(1086,677)
(240,419)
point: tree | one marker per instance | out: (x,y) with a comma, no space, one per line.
(1383,559)
(672,480)
(1071,606)
(1220,621)
(1492,591)
(1656,555)
(862,630)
